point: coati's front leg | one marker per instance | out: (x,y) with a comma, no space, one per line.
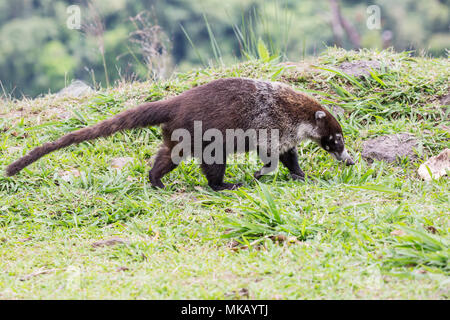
(163,165)
(290,160)
(214,174)
(267,168)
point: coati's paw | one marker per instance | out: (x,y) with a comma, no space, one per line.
(257,175)
(158,185)
(298,177)
(155,182)
(225,186)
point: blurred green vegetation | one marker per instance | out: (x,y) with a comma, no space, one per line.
(40,54)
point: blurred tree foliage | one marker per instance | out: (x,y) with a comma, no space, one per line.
(39,53)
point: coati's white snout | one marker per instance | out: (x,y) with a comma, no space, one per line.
(344,157)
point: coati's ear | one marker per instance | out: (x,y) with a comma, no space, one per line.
(320,115)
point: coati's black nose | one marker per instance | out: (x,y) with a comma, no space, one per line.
(349,162)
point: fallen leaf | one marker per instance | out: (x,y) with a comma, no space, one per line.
(241,293)
(37,273)
(283,238)
(155,236)
(293,239)
(398,233)
(122,269)
(438,165)
(236,249)
(67,175)
(109,242)
(233,244)
(421,271)
(227,231)
(278,238)
(431,229)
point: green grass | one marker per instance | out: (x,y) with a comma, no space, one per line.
(341,228)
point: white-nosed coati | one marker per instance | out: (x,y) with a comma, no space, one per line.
(233,103)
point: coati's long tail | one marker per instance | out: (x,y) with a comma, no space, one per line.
(147,114)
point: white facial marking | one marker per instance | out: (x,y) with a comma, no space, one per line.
(327,148)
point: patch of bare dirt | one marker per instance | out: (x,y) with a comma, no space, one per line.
(109,242)
(296,71)
(359,69)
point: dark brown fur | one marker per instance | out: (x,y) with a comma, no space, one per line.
(232,103)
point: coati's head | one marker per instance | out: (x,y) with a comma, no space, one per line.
(328,134)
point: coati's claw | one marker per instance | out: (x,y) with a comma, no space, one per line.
(159,185)
(226,186)
(155,182)
(297,177)
(349,162)
(257,175)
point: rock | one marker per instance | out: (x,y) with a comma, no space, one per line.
(359,68)
(438,165)
(390,148)
(445,100)
(76,89)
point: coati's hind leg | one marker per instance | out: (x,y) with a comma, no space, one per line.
(290,160)
(214,174)
(268,167)
(163,165)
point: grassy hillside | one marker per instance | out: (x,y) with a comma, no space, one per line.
(374,230)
